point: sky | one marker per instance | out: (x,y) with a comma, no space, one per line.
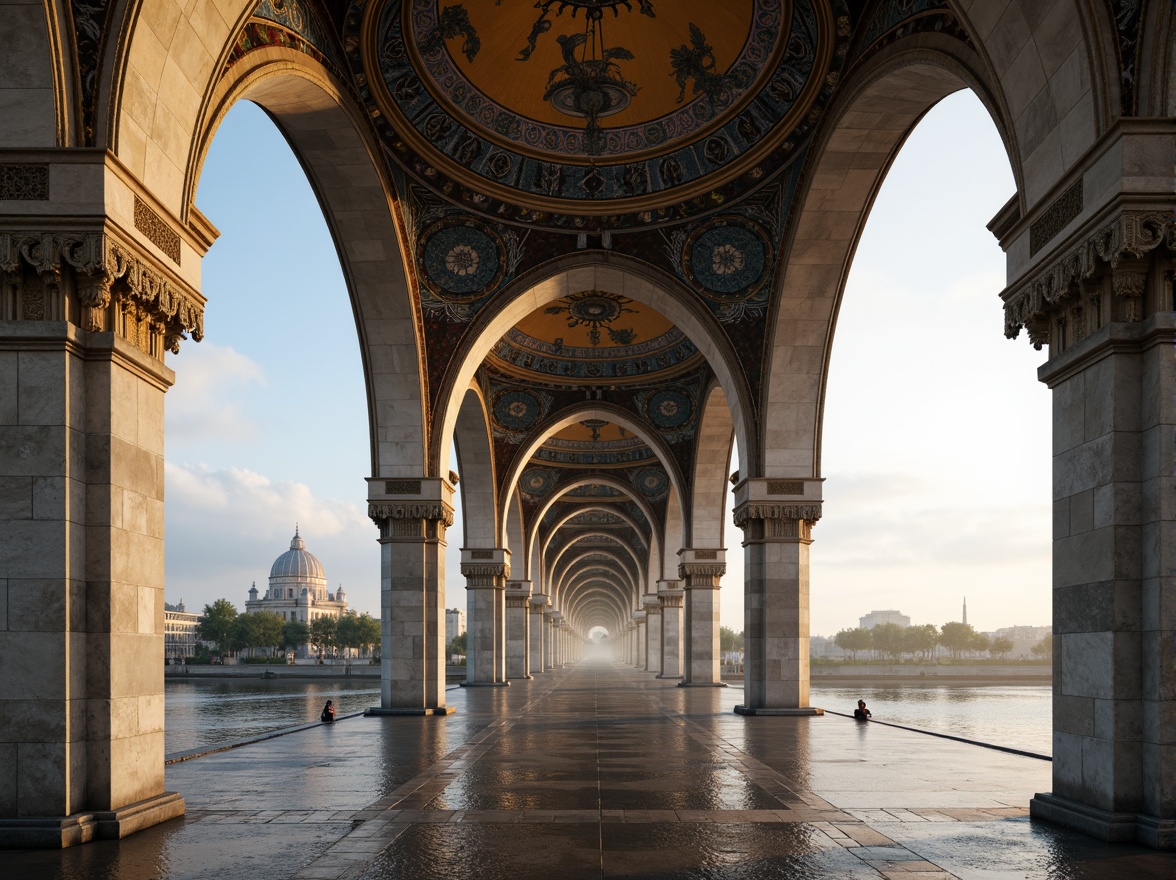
(936,447)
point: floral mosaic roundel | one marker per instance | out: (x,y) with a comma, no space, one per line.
(651,481)
(517,410)
(461,260)
(728,259)
(669,408)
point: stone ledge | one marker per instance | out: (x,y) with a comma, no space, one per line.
(483,684)
(801,711)
(379,710)
(702,684)
(58,833)
(1103,824)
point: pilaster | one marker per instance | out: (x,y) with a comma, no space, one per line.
(653,633)
(412,515)
(85,318)
(518,628)
(701,570)
(777,517)
(554,618)
(485,571)
(1102,300)
(670,595)
(639,639)
(540,651)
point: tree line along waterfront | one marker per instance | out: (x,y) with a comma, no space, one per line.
(263,636)
(927,642)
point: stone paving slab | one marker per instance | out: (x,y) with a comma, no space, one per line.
(601,772)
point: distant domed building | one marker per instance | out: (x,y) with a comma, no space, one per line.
(297,587)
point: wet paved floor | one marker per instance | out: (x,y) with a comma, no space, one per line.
(599,771)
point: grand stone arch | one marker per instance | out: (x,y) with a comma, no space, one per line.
(593,266)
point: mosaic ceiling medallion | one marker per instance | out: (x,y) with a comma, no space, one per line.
(728,258)
(595,106)
(461,258)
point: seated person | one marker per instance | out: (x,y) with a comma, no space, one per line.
(861,713)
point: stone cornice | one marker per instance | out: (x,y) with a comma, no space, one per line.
(1131,234)
(495,570)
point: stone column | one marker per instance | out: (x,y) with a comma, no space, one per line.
(701,570)
(518,601)
(1106,312)
(539,660)
(670,597)
(630,642)
(653,633)
(485,571)
(776,517)
(639,639)
(85,319)
(412,516)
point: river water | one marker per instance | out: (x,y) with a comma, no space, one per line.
(213,712)
(1018,716)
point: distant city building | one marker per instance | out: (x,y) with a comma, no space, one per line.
(297,588)
(1022,637)
(825,647)
(179,632)
(874,618)
(455,624)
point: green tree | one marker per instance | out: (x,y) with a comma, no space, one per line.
(1001,646)
(887,639)
(347,631)
(1044,648)
(957,637)
(323,633)
(370,634)
(729,640)
(217,623)
(854,640)
(920,639)
(295,634)
(458,645)
(979,643)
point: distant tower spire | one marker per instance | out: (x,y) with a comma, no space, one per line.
(965,610)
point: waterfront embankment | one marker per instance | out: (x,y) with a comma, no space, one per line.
(294,672)
(945,674)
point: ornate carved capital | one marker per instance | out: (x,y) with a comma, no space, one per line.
(485,575)
(777,522)
(671,599)
(424,520)
(111,286)
(1034,304)
(701,574)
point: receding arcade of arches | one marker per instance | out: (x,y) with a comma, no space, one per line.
(593,289)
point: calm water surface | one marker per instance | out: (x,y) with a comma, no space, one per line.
(221,711)
(1018,716)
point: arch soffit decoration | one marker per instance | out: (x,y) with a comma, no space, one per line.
(899,85)
(571,576)
(606,412)
(613,545)
(605,271)
(597,479)
(558,531)
(562,567)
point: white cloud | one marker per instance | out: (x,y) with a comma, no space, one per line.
(210,397)
(225,527)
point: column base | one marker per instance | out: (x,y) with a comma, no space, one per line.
(380,711)
(800,711)
(702,684)
(58,833)
(1103,824)
(483,684)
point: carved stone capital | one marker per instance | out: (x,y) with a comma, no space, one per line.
(1033,304)
(756,510)
(701,575)
(424,520)
(671,598)
(485,575)
(111,284)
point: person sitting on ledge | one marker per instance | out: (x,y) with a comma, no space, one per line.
(328,715)
(861,713)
